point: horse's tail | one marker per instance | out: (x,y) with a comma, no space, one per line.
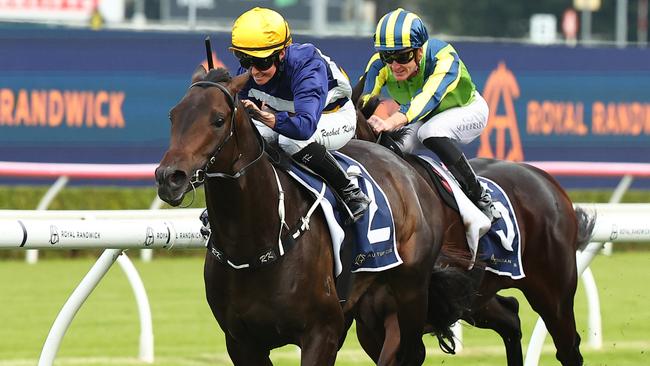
(451,292)
(586,224)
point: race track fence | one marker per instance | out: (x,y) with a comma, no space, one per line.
(96,230)
(150,229)
(63,172)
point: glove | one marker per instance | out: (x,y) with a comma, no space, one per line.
(205,229)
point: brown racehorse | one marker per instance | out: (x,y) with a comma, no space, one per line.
(551,232)
(262,295)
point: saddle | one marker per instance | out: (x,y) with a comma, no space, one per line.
(439,182)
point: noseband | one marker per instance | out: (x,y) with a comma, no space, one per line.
(201,174)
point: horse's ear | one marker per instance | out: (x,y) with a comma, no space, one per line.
(238,82)
(199,73)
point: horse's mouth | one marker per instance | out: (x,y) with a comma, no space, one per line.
(172,184)
(169,197)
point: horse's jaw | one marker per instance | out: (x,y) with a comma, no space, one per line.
(170,198)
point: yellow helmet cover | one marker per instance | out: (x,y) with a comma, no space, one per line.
(260,32)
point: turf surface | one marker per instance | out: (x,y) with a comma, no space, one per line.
(106,329)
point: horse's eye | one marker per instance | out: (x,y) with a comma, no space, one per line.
(219,121)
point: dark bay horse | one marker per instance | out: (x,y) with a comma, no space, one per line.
(264,290)
(551,232)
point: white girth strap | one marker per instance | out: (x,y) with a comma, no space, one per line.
(305,220)
(282,213)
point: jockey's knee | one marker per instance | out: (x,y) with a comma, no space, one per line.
(462,133)
(430,130)
(267,133)
(291,146)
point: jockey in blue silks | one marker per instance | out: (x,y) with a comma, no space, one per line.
(439,103)
(298,97)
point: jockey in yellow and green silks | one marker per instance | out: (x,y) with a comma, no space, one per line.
(438,101)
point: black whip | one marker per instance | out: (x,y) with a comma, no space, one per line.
(208,51)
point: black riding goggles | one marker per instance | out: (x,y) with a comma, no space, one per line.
(401,57)
(262,64)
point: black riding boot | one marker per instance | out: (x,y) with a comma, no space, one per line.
(316,157)
(458,165)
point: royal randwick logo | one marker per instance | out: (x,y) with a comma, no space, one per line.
(149,237)
(501,87)
(54,234)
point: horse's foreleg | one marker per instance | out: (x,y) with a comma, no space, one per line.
(320,343)
(370,319)
(370,337)
(348,318)
(501,315)
(411,299)
(247,355)
(391,344)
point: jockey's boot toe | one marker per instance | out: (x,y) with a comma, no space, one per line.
(356,201)
(205,228)
(486,206)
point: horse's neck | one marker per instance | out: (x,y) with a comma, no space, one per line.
(244,211)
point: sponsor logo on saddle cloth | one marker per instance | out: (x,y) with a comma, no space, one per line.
(375,246)
(498,245)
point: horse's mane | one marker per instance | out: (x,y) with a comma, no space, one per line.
(217,75)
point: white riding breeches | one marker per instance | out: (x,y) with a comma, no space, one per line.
(461,124)
(333,131)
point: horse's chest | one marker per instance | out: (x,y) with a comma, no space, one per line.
(254,300)
(259,318)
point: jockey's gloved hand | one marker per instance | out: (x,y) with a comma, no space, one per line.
(205,229)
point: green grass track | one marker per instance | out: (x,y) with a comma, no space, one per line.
(106,329)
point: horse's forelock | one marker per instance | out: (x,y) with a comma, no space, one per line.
(218,75)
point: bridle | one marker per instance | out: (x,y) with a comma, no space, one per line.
(201,174)
(284,244)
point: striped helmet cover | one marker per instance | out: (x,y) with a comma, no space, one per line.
(398,30)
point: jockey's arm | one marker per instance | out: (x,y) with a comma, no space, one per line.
(310,89)
(376,75)
(443,79)
(393,122)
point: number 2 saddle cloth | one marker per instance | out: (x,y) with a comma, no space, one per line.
(375,247)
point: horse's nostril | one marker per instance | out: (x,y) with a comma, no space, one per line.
(177,178)
(159,174)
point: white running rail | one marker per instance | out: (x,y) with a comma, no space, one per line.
(48,230)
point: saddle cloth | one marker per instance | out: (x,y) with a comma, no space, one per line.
(500,247)
(497,245)
(375,245)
